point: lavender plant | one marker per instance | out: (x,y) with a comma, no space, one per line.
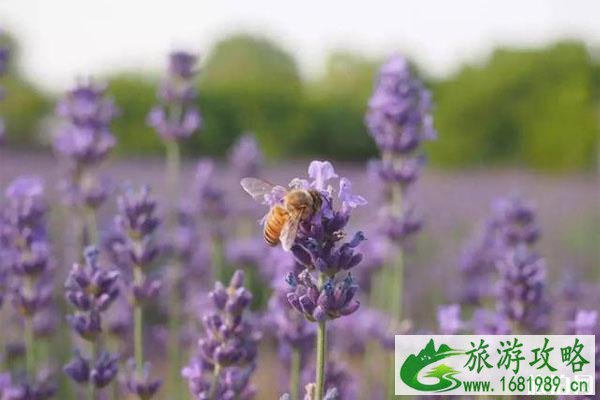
(399,120)
(211,210)
(227,352)
(91,290)
(325,289)
(295,335)
(521,296)
(84,142)
(27,252)
(245,156)
(174,119)
(137,223)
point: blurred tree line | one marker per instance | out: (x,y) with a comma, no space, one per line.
(536,108)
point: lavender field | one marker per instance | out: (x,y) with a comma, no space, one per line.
(153,278)
(453,205)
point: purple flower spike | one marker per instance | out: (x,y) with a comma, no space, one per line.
(105,370)
(78,369)
(176,117)
(144,387)
(449,320)
(24,248)
(521,288)
(399,119)
(246,157)
(230,344)
(84,141)
(91,289)
(399,115)
(321,172)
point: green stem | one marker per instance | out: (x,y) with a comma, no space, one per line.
(321,356)
(173,167)
(29,333)
(397,288)
(172,171)
(91,226)
(174,350)
(212,394)
(29,347)
(295,367)
(218,260)
(138,337)
(396,284)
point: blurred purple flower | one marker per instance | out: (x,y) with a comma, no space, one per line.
(211,204)
(477,264)
(245,156)
(137,223)
(176,117)
(25,245)
(489,322)
(41,388)
(228,347)
(399,115)
(144,387)
(514,217)
(449,321)
(85,140)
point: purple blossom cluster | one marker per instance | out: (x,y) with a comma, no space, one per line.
(246,157)
(28,250)
(134,244)
(25,253)
(520,290)
(399,119)
(176,117)
(317,247)
(91,290)
(227,352)
(84,141)
(477,264)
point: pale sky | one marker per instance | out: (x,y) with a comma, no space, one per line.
(63,39)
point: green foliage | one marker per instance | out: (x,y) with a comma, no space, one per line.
(536,108)
(335,107)
(135,96)
(22,106)
(249,83)
(23,109)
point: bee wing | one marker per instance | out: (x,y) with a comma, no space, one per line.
(289,230)
(257,188)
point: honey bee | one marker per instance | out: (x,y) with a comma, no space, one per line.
(282,221)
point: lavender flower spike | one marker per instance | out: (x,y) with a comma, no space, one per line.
(246,157)
(136,226)
(176,117)
(84,141)
(325,290)
(91,289)
(27,255)
(227,352)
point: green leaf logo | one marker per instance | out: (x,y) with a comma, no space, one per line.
(412,366)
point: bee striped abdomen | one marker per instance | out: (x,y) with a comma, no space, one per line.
(274,224)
